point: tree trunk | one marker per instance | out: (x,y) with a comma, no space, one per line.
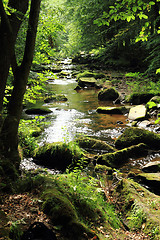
(14,20)
(9,132)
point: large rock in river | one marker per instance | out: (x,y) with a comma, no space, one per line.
(58,155)
(112,110)
(132,136)
(120,157)
(137,113)
(87,82)
(109,94)
(92,144)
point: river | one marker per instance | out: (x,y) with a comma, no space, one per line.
(78,116)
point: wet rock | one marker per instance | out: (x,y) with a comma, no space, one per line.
(120,157)
(109,94)
(140,207)
(139,98)
(112,110)
(55,98)
(91,144)
(133,136)
(152,167)
(144,124)
(58,155)
(87,74)
(137,113)
(38,111)
(87,82)
(152,180)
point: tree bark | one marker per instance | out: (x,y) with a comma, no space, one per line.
(9,132)
(9,27)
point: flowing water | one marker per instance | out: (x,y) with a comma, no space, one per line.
(78,116)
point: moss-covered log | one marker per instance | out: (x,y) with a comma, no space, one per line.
(133,136)
(120,157)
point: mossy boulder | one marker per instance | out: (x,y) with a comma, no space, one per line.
(88,74)
(59,155)
(112,110)
(38,111)
(133,136)
(87,82)
(59,208)
(92,144)
(140,208)
(139,98)
(55,98)
(120,157)
(109,94)
(152,167)
(63,213)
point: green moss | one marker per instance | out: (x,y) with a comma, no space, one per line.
(109,94)
(120,157)
(133,136)
(137,204)
(88,74)
(151,105)
(60,155)
(58,208)
(91,144)
(139,98)
(112,110)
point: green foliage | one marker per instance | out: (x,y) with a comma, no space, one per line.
(137,217)
(15,231)
(28,130)
(144,86)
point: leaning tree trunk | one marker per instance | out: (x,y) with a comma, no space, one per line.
(14,20)
(9,132)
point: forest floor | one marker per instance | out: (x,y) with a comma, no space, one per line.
(25,209)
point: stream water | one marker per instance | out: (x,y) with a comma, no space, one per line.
(78,116)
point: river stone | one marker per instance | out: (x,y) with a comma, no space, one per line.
(152,167)
(38,111)
(109,94)
(138,112)
(112,110)
(139,98)
(58,155)
(87,82)
(120,157)
(144,124)
(92,144)
(133,135)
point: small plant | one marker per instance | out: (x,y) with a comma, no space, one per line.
(15,231)
(137,217)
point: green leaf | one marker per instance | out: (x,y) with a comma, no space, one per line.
(151,3)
